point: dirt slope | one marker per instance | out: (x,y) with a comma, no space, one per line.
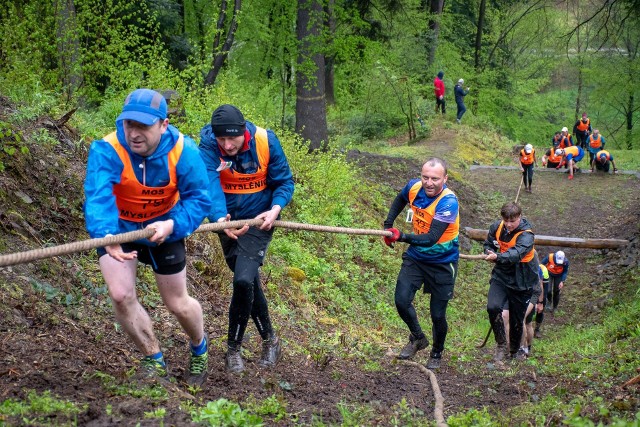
(43,348)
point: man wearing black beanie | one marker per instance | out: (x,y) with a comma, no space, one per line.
(250,165)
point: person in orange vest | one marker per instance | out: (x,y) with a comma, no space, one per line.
(431,260)
(582,129)
(565,139)
(148,175)
(570,156)
(509,245)
(250,166)
(550,160)
(558,266)
(603,161)
(595,143)
(527,161)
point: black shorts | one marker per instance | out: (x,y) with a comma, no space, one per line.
(252,245)
(437,279)
(167,258)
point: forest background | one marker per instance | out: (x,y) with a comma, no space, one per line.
(328,77)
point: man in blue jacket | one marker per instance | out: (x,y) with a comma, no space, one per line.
(248,163)
(147,174)
(558,266)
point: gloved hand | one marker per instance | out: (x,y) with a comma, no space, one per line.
(393,238)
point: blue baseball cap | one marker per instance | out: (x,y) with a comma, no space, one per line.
(144,106)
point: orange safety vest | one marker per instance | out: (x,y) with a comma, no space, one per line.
(137,202)
(554,268)
(234,182)
(573,150)
(504,246)
(595,143)
(527,159)
(605,152)
(565,141)
(422,217)
(553,158)
(583,127)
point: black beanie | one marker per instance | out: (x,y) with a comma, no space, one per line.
(227,120)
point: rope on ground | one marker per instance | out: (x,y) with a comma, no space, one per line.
(519,188)
(84,245)
(438,410)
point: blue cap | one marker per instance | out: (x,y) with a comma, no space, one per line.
(145,106)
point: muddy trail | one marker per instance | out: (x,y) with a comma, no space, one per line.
(79,355)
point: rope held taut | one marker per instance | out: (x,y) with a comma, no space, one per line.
(85,245)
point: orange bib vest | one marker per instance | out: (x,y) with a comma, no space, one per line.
(583,127)
(527,159)
(573,150)
(137,202)
(595,142)
(553,158)
(234,182)
(565,141)
(422,217)
(605,152)
(504,246)
(553,267)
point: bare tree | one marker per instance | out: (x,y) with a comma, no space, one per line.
(435,13)
(220,53)
(68,46)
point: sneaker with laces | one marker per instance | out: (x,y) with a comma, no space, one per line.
(198,367)
(434,360)
(152,369)
(271,351)
(233,360)
(412,347)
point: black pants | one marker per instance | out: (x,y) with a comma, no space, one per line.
(518,302)
(438,280)
(441,103)
(553,294)
(527,175)
(582,139)
(461,110)
(540,316)
(244,257)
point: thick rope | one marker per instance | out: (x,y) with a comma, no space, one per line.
(84,245)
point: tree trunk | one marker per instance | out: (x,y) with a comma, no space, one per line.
(220,53)
(479,29)
(629,120)
(68,47)
(435,12)
(329,59)
(311,110)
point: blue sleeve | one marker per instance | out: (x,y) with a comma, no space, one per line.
(104,168)
(211,158)
(447,209)
(279,176)
(565,271)
(193,185)
(545,260)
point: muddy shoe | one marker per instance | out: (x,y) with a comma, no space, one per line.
(500,353)
(151,370)
(233,360)
(434,360)
(520,355)
(412,347)
(197,373)
(271,351)
(537,333)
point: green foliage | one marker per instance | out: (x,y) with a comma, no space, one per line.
(37,408)
(273,406)
(223,412)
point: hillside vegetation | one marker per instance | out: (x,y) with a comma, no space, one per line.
(65,361)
